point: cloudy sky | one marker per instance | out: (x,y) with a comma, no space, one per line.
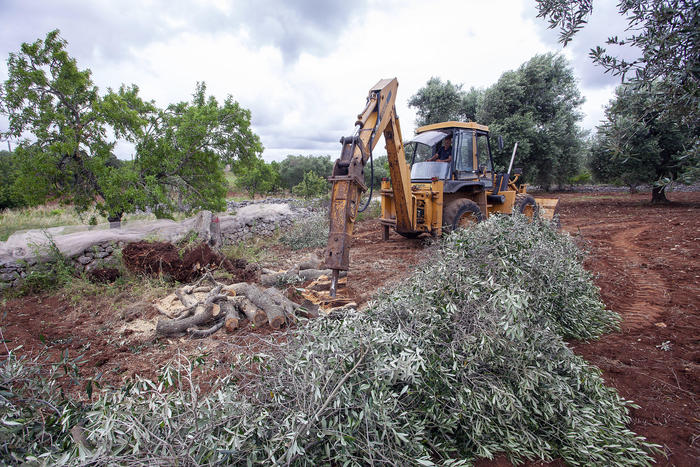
(303,67)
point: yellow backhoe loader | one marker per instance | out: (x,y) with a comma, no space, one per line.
(431,189)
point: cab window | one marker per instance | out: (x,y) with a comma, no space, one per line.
(418,152)
(465,157)
(482,152)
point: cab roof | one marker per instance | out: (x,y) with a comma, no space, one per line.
(452,124)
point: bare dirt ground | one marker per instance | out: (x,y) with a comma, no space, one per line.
(646,262)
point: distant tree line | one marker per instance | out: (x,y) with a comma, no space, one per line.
(305,176)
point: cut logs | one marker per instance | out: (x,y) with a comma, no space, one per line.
(224,307)
(208,305)
(256,316)
(276,306)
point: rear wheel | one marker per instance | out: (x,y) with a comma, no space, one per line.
(525,204)
(461,213)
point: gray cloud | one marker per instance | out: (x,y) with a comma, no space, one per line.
(109,31)
(94,30)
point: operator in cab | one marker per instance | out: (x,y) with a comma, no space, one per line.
(444,152)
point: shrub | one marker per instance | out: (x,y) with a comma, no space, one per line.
(311,232)
(293,168)
(53,273)
(312,185)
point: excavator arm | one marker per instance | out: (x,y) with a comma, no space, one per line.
(378,118)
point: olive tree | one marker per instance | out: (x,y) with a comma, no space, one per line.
(68,131)
(665,34)
(639,143)
(440,101)
(537,106)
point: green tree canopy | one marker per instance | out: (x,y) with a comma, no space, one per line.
(441,102)
(258,177)
(9,198)
(311,185)
(640,143)
(182,152)
(537,106)
(293,169)
(48,97)
(65,151)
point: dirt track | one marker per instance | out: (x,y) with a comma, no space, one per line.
(646,259)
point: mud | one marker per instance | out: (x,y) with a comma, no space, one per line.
(161,258)
(646,260)
(104,275)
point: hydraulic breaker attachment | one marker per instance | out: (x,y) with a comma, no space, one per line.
(348,185)
(377,119)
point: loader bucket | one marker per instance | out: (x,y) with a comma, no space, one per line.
(547,207)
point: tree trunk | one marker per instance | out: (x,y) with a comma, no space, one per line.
(658,195)
(115,220)
(269,303)
(251,312)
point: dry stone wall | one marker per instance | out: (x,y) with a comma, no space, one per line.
(101,247)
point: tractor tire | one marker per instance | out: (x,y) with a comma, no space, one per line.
(461,213)
(409,234)
(525,204)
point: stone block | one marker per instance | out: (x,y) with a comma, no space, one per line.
(9,276)
(84,260)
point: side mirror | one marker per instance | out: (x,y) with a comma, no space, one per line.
(500,142)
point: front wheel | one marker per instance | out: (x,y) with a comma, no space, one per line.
(461,213)
(525,204)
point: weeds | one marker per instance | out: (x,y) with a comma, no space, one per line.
(311,232)
(253,250)
(47,216)
(54,272)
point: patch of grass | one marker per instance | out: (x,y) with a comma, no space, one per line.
(40,217)
(230,179)
(253,250)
